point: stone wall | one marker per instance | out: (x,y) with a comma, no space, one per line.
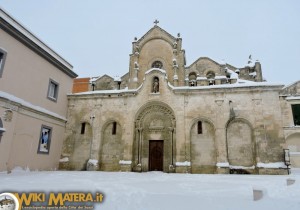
(241,126)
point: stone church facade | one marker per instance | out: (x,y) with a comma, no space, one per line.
(209,117)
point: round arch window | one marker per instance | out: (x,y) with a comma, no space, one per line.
(157,64)
(210,75)
(193,79)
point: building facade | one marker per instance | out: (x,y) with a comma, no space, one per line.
(162,115)
(209,117)
(34,82)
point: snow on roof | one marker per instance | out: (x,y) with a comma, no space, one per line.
(199,78)
(2,129)
(94,79)
(117,79)
(293,98)
(252,74)
(155,69)
(125,90)
(233,75)
(16,24)
(220,77)
(240,83)
(29,105)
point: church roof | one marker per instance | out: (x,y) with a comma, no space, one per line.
(215,62)
(155,27)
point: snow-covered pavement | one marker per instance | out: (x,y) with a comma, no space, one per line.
(155,190)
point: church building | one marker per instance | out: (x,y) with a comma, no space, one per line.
(208,117)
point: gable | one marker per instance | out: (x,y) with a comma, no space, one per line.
(204,65)
(155,33)
(292,89)
(104,82)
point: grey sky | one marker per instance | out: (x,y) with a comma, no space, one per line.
(95,36)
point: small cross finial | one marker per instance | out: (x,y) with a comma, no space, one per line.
(156,22)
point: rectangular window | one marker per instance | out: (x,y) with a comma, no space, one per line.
(114,128)
(82,128)
(199,127)
(45,140)
(2,61)
(296,113)
(53,90)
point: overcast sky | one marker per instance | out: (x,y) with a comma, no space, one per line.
(95,36)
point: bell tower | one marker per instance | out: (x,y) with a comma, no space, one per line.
(157,49)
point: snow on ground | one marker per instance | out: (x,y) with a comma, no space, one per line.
(156,190)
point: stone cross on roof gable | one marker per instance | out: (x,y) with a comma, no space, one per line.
(156,22)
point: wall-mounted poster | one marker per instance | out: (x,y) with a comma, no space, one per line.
(45,139)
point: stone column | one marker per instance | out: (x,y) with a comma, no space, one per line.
(139,133)
(135,78)
(175,68)
(172,165)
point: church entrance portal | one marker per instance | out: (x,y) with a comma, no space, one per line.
(156,155)
(154,147)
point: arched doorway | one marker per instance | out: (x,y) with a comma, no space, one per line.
(154,144)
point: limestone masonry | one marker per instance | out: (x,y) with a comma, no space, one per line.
(209,117)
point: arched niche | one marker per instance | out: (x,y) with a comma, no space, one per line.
(82,146)
(293,144)
(192,79)
(240,144)
(111,151)
(203,146)
(155,85)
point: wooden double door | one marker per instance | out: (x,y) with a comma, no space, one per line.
(156,155)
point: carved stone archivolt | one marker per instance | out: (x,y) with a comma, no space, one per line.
(154,108)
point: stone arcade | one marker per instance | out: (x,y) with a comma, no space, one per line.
(209,117)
